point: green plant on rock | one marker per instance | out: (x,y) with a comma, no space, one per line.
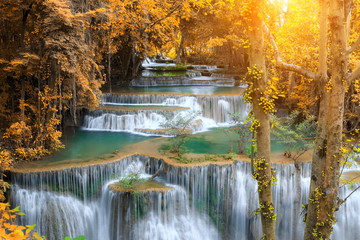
(171,68)
(295,134)
(229,156)
(242,129)
(180,158)
(178,126)
(130,180)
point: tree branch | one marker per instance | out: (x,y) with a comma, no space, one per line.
(353,48)
(156,174)
(354,75)
(340,202)
(163,18)
(286,66)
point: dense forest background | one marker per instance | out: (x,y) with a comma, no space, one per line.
(56,55)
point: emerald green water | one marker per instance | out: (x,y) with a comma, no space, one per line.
(216,142)
(92,145)
(81,144)
(200,90)
(150,73)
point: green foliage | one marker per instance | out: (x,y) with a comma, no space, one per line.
(229,156)
(248,150)
(82,237)
(295,134)
(180,158)
(171,68)
(130,180)
(241,129)
(179,127)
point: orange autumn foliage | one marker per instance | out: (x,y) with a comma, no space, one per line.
(9,230)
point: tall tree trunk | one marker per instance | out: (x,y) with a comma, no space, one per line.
(109,64)
(179,59)
(74,101)
(22,101)
(26,13)
(39,107)
(262,162)
(318,160)
(60,93)
(326,162)
(296,202)
(230,140)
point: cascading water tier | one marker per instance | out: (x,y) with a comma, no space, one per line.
(213,110)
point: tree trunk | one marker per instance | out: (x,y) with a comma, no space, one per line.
(326,161)
(178,53)
(230,140)
(296,202)
(60,94)
(74,101)
(262,162)
(318,160)
(22,102)
(109,64)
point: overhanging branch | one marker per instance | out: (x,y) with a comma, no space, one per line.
(163,18)
(353,48)
(286,66)
(354,75)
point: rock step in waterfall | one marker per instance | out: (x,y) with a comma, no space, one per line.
(194,75)
(204,202)
(187,79)
(213,111)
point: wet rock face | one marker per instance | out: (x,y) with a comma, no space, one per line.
(206,73)
(141,187)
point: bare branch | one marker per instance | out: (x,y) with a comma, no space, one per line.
(343,201)
(353,48)
(286,66)
(163,18)
(354,75)
(348,181)
(343,167)
(156,174)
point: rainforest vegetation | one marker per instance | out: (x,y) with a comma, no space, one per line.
(58,57)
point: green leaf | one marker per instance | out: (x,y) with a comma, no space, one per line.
(31,226)
(82,237)
(37,236)
(16,209)
(68,238)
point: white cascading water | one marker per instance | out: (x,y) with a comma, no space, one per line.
(193,79)
(108,214)
(206,202)
(113,121)
(148,78)
(214,110)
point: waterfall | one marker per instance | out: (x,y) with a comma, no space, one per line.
(211,106)
(214,110)
(194,79)
(72,202)
(208,201)
(123,121)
